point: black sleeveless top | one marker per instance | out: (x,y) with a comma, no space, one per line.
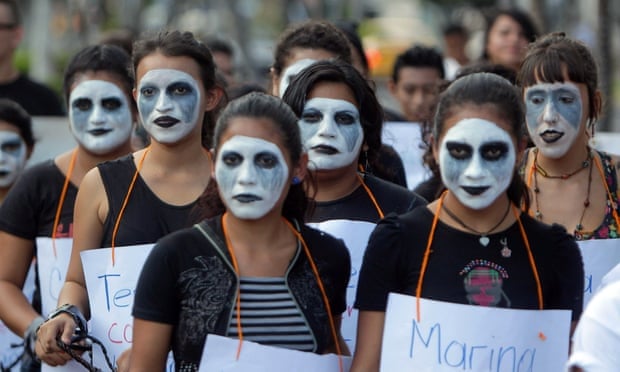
(146,217)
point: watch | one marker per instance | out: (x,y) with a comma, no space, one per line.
(78,318)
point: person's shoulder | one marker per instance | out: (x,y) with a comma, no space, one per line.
(44,171)
(37,87)
(397,198)
(125,161)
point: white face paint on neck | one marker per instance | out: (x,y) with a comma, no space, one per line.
(476,161)
(100,116)
(553,117)
(289,73)
(331,133)
(169,104)
(251,174)
(12,157)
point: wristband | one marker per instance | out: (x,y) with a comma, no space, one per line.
(30,336)
(78,318)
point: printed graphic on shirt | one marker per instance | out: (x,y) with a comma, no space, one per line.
(483,281)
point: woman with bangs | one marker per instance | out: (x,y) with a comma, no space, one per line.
(559,81)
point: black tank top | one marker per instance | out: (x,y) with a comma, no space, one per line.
(146,217)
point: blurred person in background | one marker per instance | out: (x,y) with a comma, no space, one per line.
(224,58)
(16,143)
(415,81)
(455,38)
(37,99)
(508,33)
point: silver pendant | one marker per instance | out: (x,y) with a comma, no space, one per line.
(506,252)
(484,240)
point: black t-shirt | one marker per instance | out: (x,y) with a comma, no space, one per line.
(30,207)
(461,270)
(188,281)
(146,217)
(35,98)
(358,205)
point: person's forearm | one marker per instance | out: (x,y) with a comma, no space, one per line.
(75,294)
(15,310)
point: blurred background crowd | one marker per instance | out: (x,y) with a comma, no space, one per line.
(55,29)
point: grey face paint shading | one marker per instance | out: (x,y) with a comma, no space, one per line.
(331,132)
(565,102)
(251,174)
(12,157)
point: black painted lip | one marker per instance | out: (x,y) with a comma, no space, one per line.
(99,131)
(551,136)
(325,149)
(247,198)
(166,121)
(475,190)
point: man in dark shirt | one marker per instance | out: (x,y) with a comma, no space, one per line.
(37,99)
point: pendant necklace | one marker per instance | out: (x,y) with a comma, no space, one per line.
(484,238)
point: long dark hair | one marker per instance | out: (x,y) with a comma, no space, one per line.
(182,44)
(490,91)
(371,112)
(264,106)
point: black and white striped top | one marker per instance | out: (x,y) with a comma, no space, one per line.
(270,316)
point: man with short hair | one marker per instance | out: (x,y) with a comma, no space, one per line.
(415,81)
(35,98)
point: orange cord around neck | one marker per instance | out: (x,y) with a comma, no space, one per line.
(599,167)
(126,200)
(61,201)
(370,195)
(427,252)
(315,270)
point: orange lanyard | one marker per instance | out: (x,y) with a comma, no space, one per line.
(120,213)
(601,172)
(231,252)
(370,195)
(427,252)
(61,201)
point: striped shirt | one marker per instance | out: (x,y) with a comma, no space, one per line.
(270,316)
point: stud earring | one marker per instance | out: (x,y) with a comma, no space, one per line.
(296,180)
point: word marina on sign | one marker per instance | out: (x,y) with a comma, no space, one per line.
(459,355)
(122,297)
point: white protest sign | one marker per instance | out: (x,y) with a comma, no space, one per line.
(455,337)
(52,265)
(220,354)
(406,139)
(111,289)
(599,257)
(9,351)
(355,235)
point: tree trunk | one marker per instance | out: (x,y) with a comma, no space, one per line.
(606,65)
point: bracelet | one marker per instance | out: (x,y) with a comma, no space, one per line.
(78,318)
(30,336)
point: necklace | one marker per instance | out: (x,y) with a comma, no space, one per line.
(539,169)
(483,239)
(586,202)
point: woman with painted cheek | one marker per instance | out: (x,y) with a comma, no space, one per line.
(135,199)
(259,245)
(16,143)
(301,45)
(563,103)
(473,245)
(340,124)
(97,89)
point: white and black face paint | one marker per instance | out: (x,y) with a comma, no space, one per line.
(251,174)
(169,104)
(476,161)
(100,116)
(289,73)
(553,116)
(12,157)
(331,133)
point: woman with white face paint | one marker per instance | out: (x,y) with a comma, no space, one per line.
(341,119)
(259,245)
(559,81)
(472,245)
(143,196)
(97,88)
(301,45)
(16,143)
